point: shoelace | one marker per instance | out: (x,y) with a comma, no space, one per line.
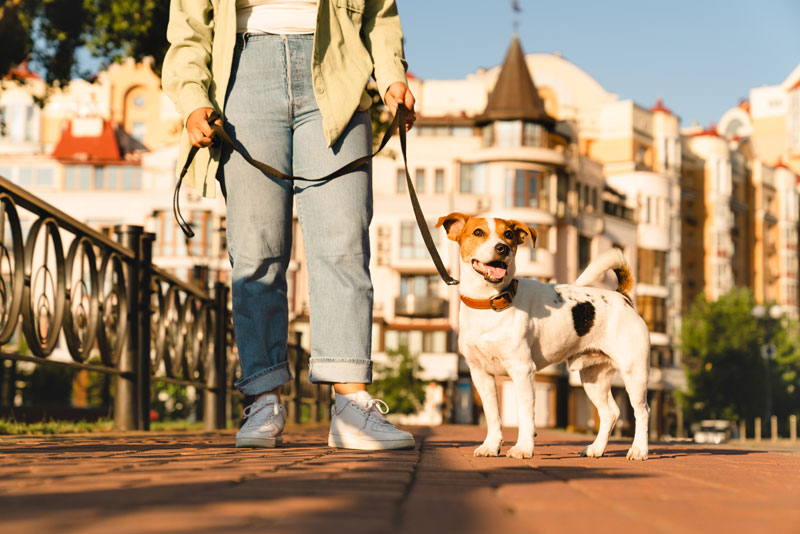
(275,409)
(379,406)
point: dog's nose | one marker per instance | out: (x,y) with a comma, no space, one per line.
(502,249)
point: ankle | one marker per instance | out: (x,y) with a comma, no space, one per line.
(349,388)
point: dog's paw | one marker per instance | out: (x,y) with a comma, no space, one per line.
(519,452)
(487,449)
(636,453)
(592,451)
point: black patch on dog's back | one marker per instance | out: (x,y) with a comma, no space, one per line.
(583,317)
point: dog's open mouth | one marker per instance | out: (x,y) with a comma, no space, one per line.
(494,271)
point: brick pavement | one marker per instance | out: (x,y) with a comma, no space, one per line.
(198,483)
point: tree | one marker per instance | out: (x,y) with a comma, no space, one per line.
(727,377)
(398,384)
(49,32)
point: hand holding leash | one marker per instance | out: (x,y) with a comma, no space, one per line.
(402,116)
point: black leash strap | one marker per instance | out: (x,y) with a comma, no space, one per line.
(399,123)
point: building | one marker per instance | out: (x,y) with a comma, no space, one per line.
(537,139)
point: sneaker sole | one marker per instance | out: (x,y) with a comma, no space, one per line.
(264,443)
(340,441)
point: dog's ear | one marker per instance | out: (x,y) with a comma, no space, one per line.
(453,224)
(522,230)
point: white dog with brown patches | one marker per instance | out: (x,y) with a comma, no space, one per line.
(517,327)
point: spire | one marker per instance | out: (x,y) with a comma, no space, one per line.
(515,96)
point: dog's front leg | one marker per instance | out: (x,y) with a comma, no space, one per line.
(487,389)
(522,376)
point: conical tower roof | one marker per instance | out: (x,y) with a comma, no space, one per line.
(515,96)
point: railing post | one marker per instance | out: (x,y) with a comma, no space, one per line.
(298,367)
(773,428)
(758,429)
(126,404)
(216,395)
(793,428)
(742,430)
(146,317)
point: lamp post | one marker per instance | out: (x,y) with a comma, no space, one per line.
(769,319)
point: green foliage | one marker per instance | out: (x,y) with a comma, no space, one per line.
(726,376)
(171,402)
(51,31)
(55,427)
(398,385)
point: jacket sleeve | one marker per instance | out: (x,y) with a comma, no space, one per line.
(186,75)
(383,38)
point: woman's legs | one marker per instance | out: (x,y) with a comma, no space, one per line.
(259,211)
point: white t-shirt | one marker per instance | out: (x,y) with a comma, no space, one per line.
(276,16)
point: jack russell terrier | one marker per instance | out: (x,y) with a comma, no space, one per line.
(514,328)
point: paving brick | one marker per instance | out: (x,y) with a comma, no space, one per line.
(199,483)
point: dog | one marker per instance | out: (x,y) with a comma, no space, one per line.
(510,327)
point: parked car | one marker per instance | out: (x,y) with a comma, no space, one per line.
(714,431)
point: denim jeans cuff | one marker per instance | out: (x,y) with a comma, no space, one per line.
(339,370)
(265,380)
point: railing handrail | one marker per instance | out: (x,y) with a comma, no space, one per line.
(34,204)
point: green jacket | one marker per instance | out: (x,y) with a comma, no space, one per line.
(354,39)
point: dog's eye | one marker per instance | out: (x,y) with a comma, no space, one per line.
(478,232)
(508,234)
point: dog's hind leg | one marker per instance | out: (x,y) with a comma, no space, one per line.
(597,384)
(487,389)
(636,383)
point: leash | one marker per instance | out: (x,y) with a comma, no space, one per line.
(399,123)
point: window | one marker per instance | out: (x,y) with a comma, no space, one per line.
(528,190)
(533,134)
(202,222)
(584,251)
(419,285)
(416,341)
(412,245)
(25,176)
(419,180)
(138,101)
(652,266)
(44,177)
(509,133)
(654,312)
(472,178)
(439,181)
(401,181)
(5,172)
(99,177)
(138,130)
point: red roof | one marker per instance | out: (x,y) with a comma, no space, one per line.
(795,86)
(90,146)
(660,107)
(21,72)
(710,131)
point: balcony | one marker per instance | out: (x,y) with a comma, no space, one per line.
(424,307)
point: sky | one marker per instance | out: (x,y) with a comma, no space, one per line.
(700,56)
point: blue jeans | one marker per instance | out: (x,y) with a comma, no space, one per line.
(271,111)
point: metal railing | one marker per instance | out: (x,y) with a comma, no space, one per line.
(113,304)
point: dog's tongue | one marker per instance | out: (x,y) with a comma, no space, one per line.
(496,272)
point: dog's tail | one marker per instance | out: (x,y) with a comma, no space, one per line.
(610,259)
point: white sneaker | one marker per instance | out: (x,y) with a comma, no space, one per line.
(358,423)
(263,423)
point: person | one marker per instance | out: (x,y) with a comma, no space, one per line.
(289,78)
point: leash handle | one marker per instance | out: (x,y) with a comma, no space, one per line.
(398,123)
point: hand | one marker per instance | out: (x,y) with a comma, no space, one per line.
(399,93)
(200,133)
